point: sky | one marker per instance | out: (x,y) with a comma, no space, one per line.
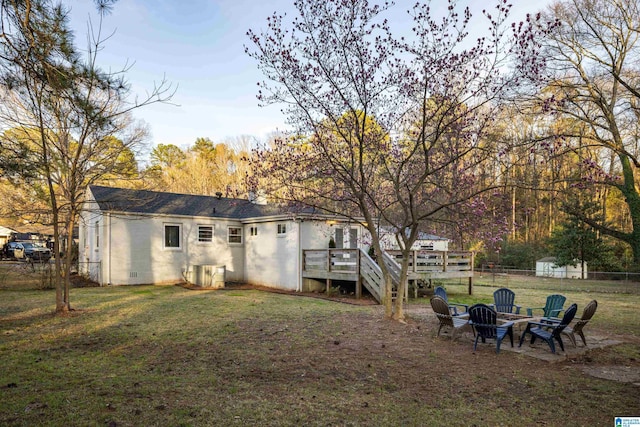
(198,46)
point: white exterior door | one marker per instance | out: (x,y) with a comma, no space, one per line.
(346,238)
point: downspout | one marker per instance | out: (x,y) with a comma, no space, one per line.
(109,249)
(299,255)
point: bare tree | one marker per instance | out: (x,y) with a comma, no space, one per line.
(386,128)
(72,120)
(593,82)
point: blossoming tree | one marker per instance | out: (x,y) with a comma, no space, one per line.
(388,129)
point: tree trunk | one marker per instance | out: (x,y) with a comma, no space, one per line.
(398,313)
(388,294)
(68,257)
(55,210)
(387,299)
(632,199)
(60,304)
(513,213)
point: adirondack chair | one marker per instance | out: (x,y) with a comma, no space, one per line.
(453,307)
(550,331)
(484,321)
(503,300)
(580,322)
(441,309)
(552,308)
(587,314)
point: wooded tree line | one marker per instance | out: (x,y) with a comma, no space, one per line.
(204,168)
(500,143)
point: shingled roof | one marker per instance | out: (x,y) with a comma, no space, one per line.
(155,202)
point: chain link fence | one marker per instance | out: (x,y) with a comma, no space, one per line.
(591,275)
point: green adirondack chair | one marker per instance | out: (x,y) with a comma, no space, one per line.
(552,308)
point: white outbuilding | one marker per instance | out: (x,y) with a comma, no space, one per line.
(424,242)
(547,267)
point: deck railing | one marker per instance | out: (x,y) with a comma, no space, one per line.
(436,261)
(371,274)
(331,260)
(393,267)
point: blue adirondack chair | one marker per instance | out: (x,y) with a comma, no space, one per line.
(503,300)
(550,331)
(484,321)
(453,307)
(552,308)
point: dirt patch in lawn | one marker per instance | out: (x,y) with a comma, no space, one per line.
(407,361)
(594,359)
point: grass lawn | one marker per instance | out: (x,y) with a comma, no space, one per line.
(145,355)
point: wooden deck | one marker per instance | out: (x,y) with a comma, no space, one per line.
(352,265)
(356,266)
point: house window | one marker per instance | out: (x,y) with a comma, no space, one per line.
(235,235)
(205,233)
(282,229)
(253,231)
(97,234)
(172,236)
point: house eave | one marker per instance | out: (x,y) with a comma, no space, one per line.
(164,215)
(299,217)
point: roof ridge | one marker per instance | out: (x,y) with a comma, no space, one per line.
(168,192)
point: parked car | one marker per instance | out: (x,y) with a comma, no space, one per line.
(9,249)
(28,251)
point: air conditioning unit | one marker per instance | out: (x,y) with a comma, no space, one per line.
(208,276)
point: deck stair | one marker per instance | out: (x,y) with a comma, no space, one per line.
(394,270)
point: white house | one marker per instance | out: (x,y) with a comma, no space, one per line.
(130,237)
(5,234)
(424,242)
(546,267)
